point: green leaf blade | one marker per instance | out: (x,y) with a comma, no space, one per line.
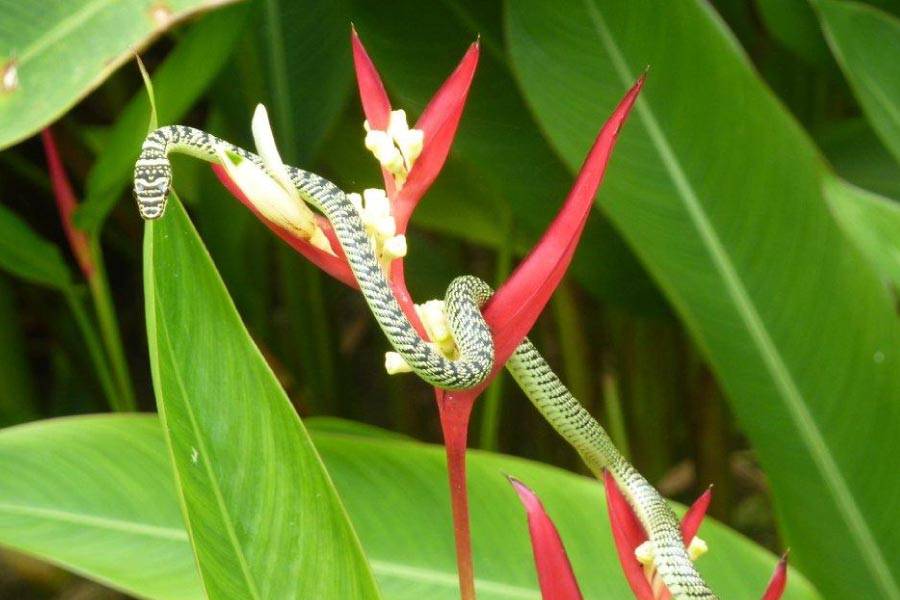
(256,496)
(866,43)
(27,255)
(61,51)
(872,222)
(406,533)
(718,191)
(73,499)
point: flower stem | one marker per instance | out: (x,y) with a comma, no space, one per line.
(493,398)
(574,345)
(615,418)
(455,410)
(95,349)
(109,330)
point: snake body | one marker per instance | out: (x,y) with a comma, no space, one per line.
(464,297)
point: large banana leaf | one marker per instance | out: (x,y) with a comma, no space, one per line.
(255,494)
(866,42)
(53,53)
(718,191)
(95,495)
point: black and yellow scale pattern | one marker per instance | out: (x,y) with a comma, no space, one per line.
(464,298)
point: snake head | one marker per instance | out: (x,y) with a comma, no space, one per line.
(151,186)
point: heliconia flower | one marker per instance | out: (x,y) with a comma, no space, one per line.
(66,204)
(555,575)
(631,542)
(517,303)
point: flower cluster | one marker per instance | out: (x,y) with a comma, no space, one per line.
(434,320)
(271,191)
(374,209)
(397,147)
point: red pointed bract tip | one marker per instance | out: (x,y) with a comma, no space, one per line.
(515,307)
(439,122)
(376,105)
(690,522)
(555,575)
(336,266)
(628,534)
(66,203)
(776,586)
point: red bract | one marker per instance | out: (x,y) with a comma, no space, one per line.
(778,582)
(554,571)
(438,122)
(516,305)
(336,266)
(66,205)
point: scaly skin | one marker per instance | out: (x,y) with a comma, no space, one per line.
(464,298)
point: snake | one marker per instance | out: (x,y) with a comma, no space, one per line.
(464,298)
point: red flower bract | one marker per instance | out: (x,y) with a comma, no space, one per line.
(554,571)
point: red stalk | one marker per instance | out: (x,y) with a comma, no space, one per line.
(66,203)
(455,408)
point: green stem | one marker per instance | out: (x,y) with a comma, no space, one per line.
(573,345)
(493,398)
(615,418)
(95,349)
(109,330)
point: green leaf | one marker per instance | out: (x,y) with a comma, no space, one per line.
(264,518)
(25,254)
(793,23)
(306,49)
(719,192)
(54,54)
(95,496)
(177,85)
(866,43)
(17,395)
(114,515)
(859,156)
(872,222)
(500,143)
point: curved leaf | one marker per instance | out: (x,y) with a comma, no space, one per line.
(96,492)
(872,222)
(26,254)
(256,496)
(866,42)
(719,192)
(95,495)
(53,53)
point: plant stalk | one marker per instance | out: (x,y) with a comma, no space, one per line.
(455,409)
(109,330)
(95,349)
